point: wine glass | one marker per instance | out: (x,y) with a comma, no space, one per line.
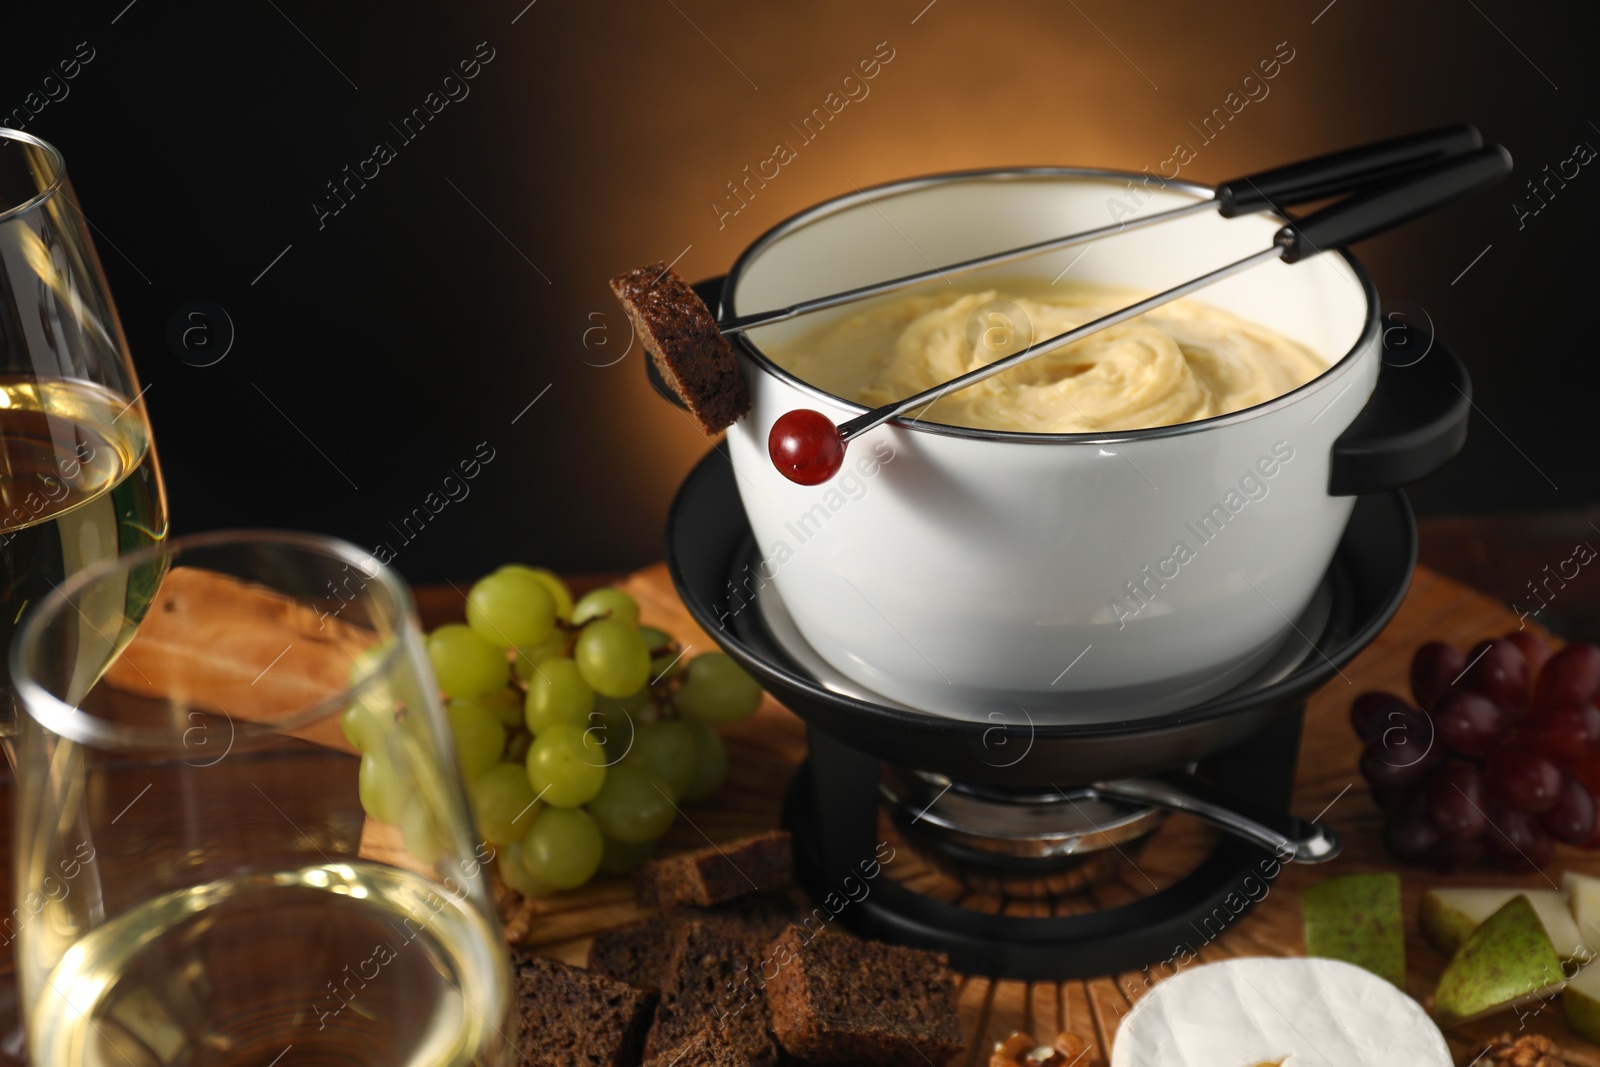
(240,832)
(78,475)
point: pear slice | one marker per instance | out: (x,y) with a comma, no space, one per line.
(1583,892)
(1358,919)
(1448,916)
(1508,960)
(1581,999)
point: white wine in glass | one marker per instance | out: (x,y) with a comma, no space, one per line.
(198,879)
(78,476)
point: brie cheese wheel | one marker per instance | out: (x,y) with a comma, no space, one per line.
(1294,1012)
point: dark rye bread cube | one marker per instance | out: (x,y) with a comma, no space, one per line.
(572,1018)
(680,334)
(709,1048)
(640,952)
(719,873)
(837,999)
(713,982)
(758,918)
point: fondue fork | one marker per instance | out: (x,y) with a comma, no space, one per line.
(1333,174)
(808,448)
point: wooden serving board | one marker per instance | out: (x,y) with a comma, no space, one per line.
(766,750)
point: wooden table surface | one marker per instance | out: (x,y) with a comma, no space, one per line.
(766,750)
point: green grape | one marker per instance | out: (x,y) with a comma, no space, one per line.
(511,608)
(717,690)
(613,728)
(419,834)
(528,659)
(557,696)
(566,766)
(412,725)
(479,738)
(363,727)
(668,750)
(630,705)
(465,664)
(563,849)
(612,721)
(382,793)
(514,872)
(624,857)
(504,704)
(612,657)
(371,713)
(503,804)
(710,761)
(634,805)
(606,603)
(367,661)
(558,589)
(657,641)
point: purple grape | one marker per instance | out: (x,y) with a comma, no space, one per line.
(1469,724)
(1433,667)
(1496,669)
(1408,833)
(1455,800)
(1571,819)
(1533,649)
(1571,676)
(1370,712)
(1524,779)
(1561,732)
(1387,772)
(1515,840)
(1403,750)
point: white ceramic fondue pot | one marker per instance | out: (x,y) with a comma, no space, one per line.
(1082,576)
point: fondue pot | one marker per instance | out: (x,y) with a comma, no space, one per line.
(1069,578)
(991,637)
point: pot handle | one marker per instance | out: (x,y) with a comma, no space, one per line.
(1414,422)
(710,293)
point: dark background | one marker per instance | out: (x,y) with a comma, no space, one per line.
(375,348)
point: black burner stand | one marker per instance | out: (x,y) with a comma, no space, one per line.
(832,809)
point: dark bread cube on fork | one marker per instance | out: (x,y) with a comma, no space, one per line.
(681,335)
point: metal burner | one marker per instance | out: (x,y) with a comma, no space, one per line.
(1031,843)
(1024,844)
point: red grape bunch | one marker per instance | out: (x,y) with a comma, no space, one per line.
(1498,759)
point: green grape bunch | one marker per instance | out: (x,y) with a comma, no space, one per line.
(578,730)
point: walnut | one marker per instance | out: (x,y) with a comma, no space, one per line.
(1529,1050)
(1019,1050)
(1013,1051)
